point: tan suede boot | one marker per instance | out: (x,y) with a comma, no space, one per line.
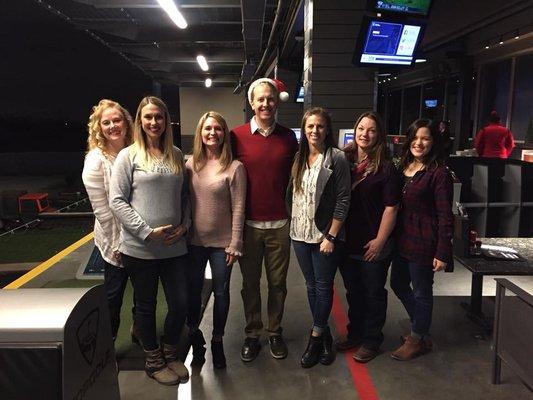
(174,363)
(157,368)
(411,348)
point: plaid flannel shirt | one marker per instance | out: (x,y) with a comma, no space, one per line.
(425,221)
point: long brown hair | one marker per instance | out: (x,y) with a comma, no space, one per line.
(96,138)
(199,154)
(378,154)
(434,157)
(166,144)
(300,161)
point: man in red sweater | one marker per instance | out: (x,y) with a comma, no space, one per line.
(494,140)
(267,150)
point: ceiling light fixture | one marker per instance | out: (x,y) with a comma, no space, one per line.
(517,35)
(170,8)
(501,40)
(420,60)
(208,82)
(202,62)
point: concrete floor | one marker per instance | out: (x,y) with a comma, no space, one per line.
(458,368)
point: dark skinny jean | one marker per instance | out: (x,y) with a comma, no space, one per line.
(319,273)
(145,275)
(221,276)
(418,299)
(367,299)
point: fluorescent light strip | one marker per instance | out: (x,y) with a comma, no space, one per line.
(202,62)
(208,82)
(170,8)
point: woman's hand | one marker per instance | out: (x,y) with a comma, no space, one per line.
(159,234)
(326,247)
(117,256)
(373,249)
(173,235)
(438,265)
(230,259)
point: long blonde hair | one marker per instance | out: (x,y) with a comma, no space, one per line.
(166,144)
(96,138)
(199,154)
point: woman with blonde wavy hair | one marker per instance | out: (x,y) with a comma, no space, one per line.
(218,193)
(149,196)
(110,130)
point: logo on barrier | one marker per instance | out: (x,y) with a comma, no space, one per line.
(87,334)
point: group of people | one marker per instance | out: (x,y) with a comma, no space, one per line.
(245,195)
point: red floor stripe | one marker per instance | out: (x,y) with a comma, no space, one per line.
(360,376)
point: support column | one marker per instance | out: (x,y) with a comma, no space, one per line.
(330,78)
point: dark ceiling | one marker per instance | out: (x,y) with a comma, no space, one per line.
(226,32)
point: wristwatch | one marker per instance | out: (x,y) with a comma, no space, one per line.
(330,238)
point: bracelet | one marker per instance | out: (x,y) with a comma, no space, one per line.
(330,238)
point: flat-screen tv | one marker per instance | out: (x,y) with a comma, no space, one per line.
(345,137)
(410,7)
(298,133)
(387,42)
(431,103)
(299,98)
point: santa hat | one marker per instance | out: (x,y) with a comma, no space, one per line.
(279,85)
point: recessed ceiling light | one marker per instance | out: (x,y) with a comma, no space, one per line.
(208,82)
(202,62)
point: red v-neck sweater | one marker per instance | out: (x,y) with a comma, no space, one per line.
(268,162)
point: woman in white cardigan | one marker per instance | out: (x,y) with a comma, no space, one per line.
(110,130)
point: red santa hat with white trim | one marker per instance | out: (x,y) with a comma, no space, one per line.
(279,85)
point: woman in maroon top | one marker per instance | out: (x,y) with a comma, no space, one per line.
(424,233)
(375,196)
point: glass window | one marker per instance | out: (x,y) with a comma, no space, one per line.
(394,107)
(522,118)
(494,93)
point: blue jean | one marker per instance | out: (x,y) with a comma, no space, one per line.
(418,299)
(145,275)
(221,275)
(367,299)
(115,279)
(319,273)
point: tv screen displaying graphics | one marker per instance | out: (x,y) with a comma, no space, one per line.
(431,103)
(300,94)
(345,137)
(298,133)
(388,43)
(412,7)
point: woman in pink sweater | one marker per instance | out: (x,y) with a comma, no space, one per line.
(218,194)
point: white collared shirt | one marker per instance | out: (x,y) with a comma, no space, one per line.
(256,128)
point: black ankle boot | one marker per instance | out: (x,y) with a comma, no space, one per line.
(312,352)
(198,349)
(217,352)
(327,356)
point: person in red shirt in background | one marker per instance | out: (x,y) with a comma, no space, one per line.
(494,140)
(267,150)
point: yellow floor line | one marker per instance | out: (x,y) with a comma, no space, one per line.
(48,263)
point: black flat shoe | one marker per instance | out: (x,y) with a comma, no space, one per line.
(217,352)
(250,349)
(278,348)
(327,355)
(312,352)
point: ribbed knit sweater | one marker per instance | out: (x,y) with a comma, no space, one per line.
(268,162)
(217,201)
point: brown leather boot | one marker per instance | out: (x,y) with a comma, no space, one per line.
(157,369)
(174,363)
(426,341)
(411,348)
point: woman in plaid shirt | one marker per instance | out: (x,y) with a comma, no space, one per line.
(424,232)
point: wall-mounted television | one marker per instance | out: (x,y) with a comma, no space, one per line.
(387,42)
(297,132)
(345,137)
(431,103)
(299,98)
(410,7)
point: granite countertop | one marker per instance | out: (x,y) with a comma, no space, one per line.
(486,266)
(524,246)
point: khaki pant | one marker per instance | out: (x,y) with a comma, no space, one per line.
(274,246)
